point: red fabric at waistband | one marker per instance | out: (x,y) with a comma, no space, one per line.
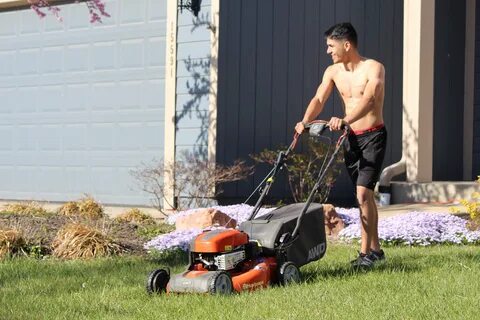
(372,129)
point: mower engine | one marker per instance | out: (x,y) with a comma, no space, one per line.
(223,261)
(229,261)
(219,249)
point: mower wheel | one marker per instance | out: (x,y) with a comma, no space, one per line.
(221,283)
(157,281)
(288,273)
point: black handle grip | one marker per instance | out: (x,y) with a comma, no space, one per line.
(316,129)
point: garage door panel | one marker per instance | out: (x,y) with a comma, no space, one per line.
(102,95)
(25,179)
(76,97)
(49,138)
(103,55)
(132,12)
(27,61)
(156,10)
(51,180)
(45,158)
(77,180)
(51,98)
(6,174)
(154,89)
(105,181)
(7,61)
(154,46)
(8,24)
(100,136)
(74,137)
(24,138)
(131,53)
(6,140)
(77,57)
(52,59)
(83,103)
(75,158)
(76,18)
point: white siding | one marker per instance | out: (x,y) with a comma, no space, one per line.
(193,81)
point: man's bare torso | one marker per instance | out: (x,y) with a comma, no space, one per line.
(351,86)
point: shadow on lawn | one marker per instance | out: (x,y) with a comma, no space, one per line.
(316,275)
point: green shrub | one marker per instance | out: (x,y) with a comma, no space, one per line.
(151,231)
(303,169)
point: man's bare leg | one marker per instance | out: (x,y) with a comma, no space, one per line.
(374,242)
(368,217)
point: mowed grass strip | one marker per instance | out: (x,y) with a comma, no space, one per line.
(440,282)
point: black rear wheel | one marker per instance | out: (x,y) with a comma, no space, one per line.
(157,281)
(221,283)
(288,273)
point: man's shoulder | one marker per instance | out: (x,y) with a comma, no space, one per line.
(372,63)
(332,69)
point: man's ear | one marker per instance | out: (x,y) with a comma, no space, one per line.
(347,45)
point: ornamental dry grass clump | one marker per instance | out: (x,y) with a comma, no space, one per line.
(28,208)
(69,209)
(85,207)
(12,243)
(135,216)
(78,241)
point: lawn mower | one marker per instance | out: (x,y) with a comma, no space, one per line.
(264,250)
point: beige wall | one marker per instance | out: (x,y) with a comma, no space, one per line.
(170,100)
(418,71)
(212,130)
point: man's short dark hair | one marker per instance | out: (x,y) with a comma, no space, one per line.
(342,31)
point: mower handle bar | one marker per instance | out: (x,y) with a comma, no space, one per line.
(315,128)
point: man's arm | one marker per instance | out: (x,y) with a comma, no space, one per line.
(315,106)
(318,101)
(373,88)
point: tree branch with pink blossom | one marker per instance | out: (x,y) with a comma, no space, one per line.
(96,9)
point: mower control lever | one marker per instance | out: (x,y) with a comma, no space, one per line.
(284,238)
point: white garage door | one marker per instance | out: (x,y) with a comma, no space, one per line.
(81,105)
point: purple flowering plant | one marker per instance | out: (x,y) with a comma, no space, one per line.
(180,239)
(413,229)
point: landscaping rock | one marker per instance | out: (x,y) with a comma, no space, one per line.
(204,218)
(333,223)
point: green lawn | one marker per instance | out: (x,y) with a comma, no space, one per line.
(415,283)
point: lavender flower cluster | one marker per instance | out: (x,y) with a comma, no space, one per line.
(239,212)
(181,238)
(414,228)
(178,239)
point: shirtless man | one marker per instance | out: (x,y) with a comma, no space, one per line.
(360,82)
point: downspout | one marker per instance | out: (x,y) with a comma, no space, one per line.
(384,187)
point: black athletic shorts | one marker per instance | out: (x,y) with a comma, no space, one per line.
(364,155)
